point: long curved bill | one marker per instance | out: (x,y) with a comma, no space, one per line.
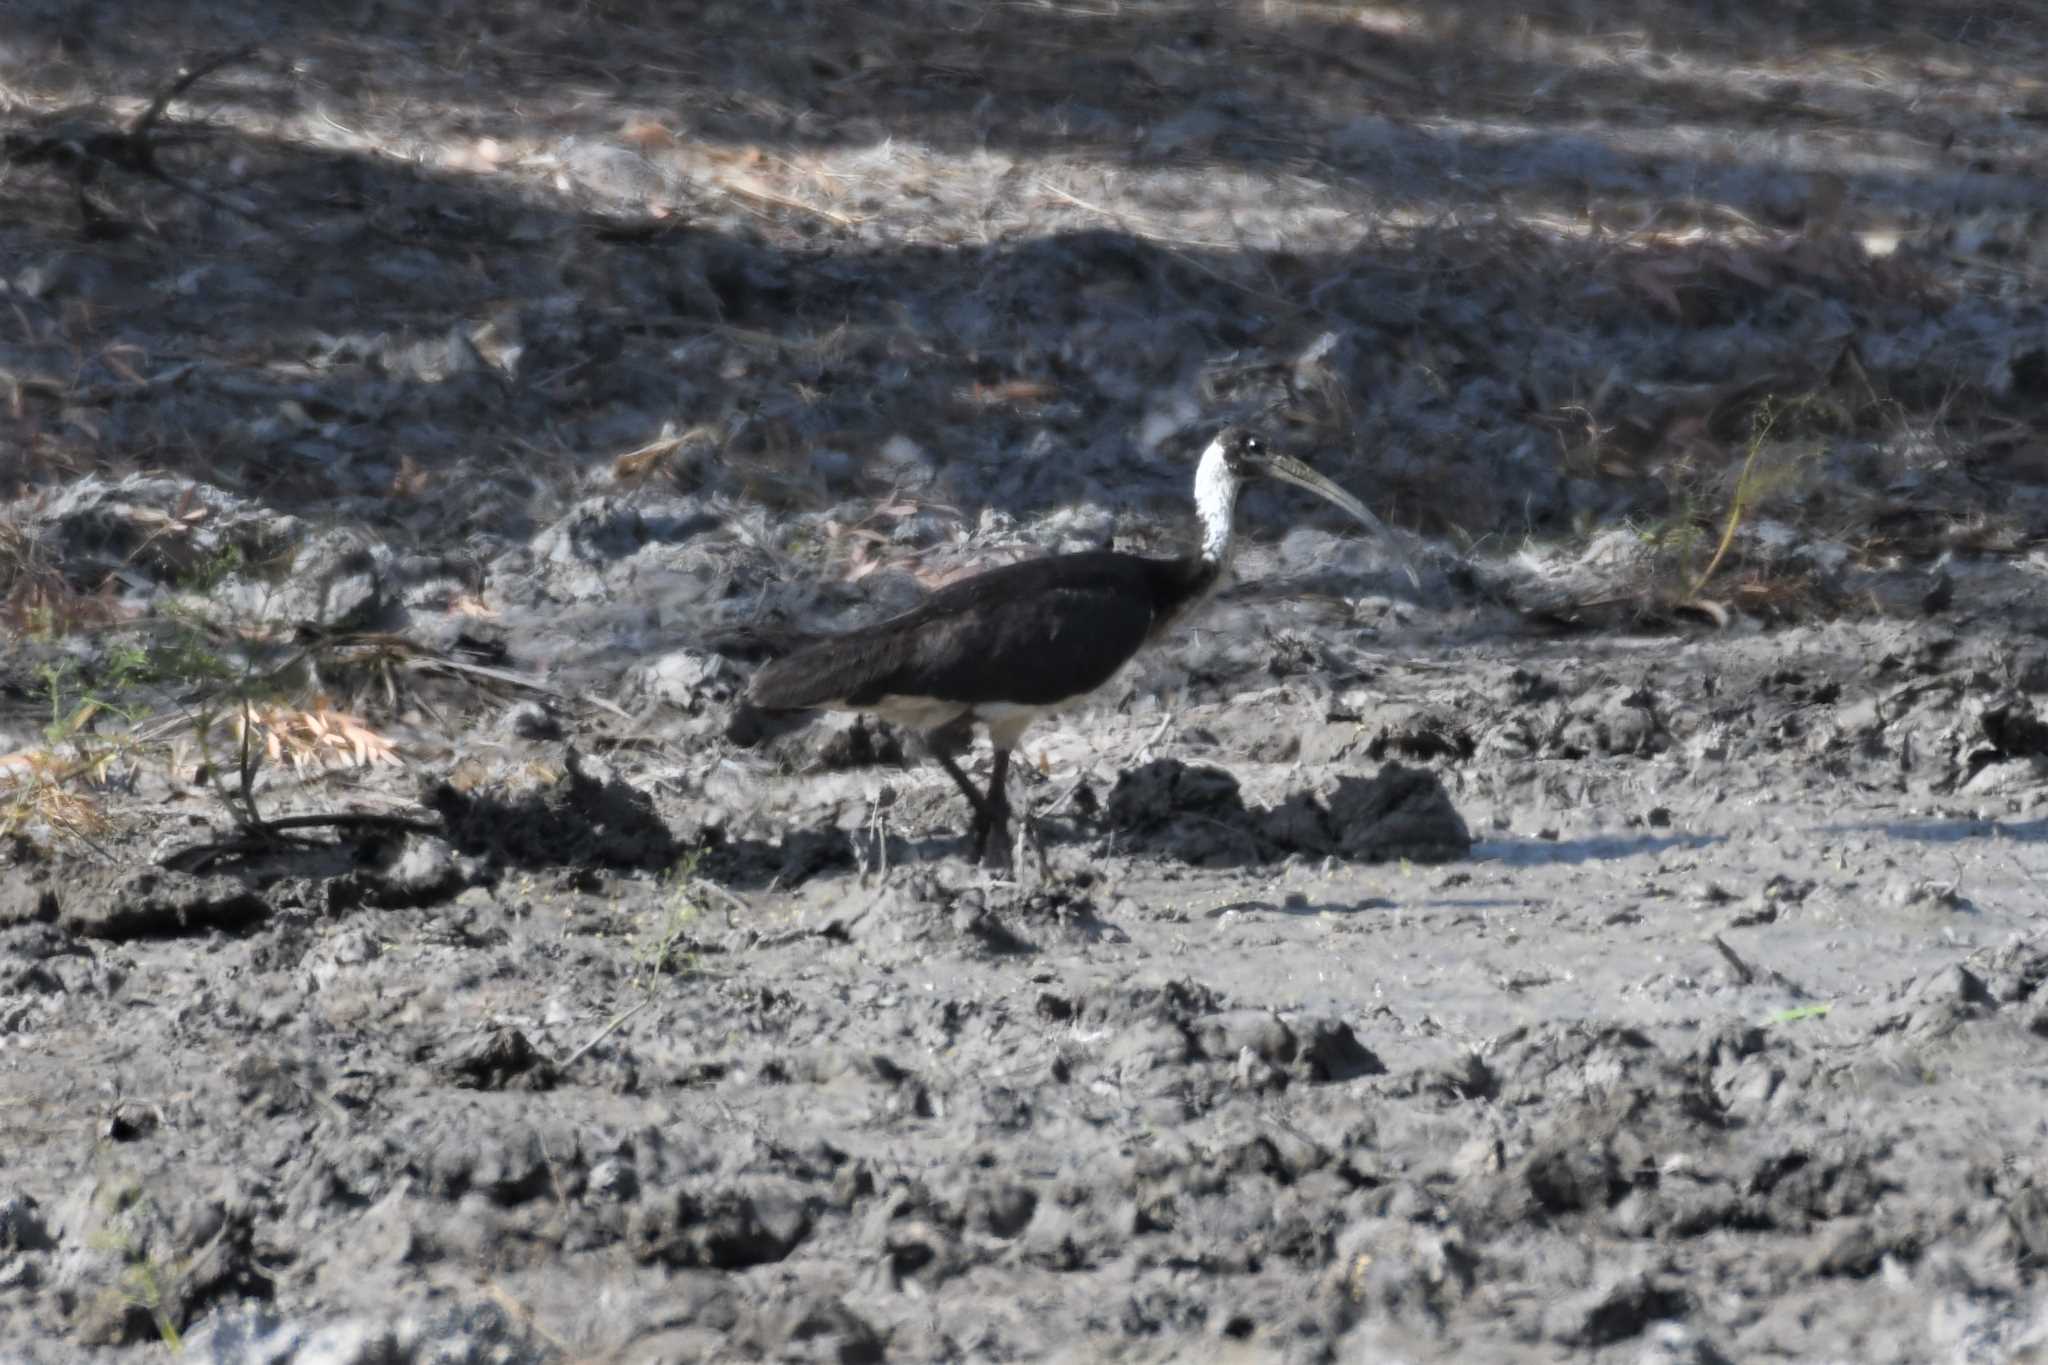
(1291,470)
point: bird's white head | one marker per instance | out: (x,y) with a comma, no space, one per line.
(1238,455)
(1233,457)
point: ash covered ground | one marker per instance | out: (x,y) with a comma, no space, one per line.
(1624,945)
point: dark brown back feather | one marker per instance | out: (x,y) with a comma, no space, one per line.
(1033,633)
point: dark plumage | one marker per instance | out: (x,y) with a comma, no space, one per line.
(1031,634)
(1003,647)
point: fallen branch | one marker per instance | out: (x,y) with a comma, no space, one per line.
(1744,973)
(607,1031)
(258,836)
(757,198)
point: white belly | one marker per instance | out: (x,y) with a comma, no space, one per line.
(1006,721)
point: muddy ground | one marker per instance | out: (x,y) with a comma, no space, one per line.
(1625,944)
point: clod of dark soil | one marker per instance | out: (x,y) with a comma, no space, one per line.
(1400,813)
(835,742)
(499,1060)
(1150,798)
(1197,814)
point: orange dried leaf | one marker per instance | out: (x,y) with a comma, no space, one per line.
(22,762)
(410,480)
(647,135)
(862,561)
(1012,391)
(468,604)
(635,465)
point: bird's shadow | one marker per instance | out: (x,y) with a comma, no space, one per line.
(1166,810)
(788,860)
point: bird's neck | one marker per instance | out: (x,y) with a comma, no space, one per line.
(1216,505)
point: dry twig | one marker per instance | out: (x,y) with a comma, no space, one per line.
(84,149)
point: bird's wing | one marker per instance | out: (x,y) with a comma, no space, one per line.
(1066,640)
(1031,633)
(826,673)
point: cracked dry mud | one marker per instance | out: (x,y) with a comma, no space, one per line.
(1721,1042)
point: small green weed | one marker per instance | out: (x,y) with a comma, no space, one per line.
(215,569)
(667,948)
(1688,550)
(148,1281)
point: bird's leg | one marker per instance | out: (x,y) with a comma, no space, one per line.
(992,840)
(1027,835)
(983,817)
(943,743)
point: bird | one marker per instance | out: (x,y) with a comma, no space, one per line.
(1006,646)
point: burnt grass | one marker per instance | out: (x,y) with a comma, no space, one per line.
(1625,945)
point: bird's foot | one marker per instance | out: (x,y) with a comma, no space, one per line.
(1028,841)
(999,848)
(992,839)
(992,832)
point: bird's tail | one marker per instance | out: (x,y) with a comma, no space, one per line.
(790,683)
(781,696)
(750,725)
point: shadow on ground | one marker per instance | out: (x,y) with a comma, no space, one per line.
(508,243)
